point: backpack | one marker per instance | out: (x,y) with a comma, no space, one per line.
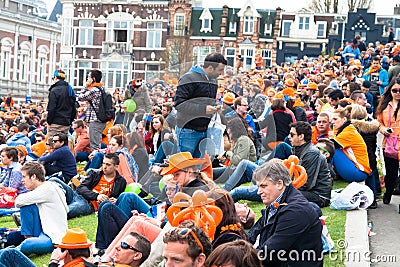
(106,111)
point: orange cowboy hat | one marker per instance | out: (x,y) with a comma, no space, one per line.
(228,98)
(180,161)
(75,238)
(288,91)
(329,73)
(289,82)
(312,86)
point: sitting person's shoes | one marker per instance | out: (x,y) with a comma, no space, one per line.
(17,218)
(374,205)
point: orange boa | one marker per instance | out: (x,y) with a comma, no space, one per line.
(372,70)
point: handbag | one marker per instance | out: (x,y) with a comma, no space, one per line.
(7,197)
(215,132)
(392,142)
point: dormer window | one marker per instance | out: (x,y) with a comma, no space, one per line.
(267,29)
(206,20)
(304,23)
(232,27)
(248,25)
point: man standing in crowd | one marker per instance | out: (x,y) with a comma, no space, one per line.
(61,110)
(93,95)
(61,159)
(379,79)
(394,70)
(288,224)
(186,246)
(195,102)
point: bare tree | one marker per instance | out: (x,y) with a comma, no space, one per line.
(334,6)
(179,55)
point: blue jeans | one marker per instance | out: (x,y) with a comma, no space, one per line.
(281,151)
(14,257)
(166,148)
(346,168)
(130,201)
(111,219)
(96,162)
(79,206)
(39,242)
(82,156)
(189,140)
(242,174)
(246,193)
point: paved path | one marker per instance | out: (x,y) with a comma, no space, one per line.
(386,226)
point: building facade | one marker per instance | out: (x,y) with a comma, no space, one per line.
(29,49)
(124,39)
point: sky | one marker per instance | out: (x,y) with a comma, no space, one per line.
(287,5)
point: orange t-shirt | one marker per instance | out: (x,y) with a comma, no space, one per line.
(103,187)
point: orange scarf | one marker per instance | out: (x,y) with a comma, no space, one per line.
(372,70)
(95,85)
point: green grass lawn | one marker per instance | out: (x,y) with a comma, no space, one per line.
(335,221)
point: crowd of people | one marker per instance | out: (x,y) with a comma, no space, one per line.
(215,129)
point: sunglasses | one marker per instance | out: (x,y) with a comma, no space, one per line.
(125,245)
(184,232)
(292,134)
(322,149)
(395,91)
(248,214)
(54,141)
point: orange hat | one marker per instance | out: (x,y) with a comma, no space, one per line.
(289,82)
(14,128)
(75,238)
(288,91)
(279,96)
(329,73)
(181,161)
(228,98)
(39,148)
(298,103)
(22,149)
(312,86)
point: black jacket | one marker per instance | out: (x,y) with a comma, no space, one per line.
(319,179)
(93,178)
(295,227)
(193,94)
(61,108)
(368,131)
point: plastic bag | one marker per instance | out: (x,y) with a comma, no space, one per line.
(354,196)
(215,132)
(7,197)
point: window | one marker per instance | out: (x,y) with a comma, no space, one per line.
(206,25)
(41,69)
(5,65)
(152,72)
(268,29)
(304,23)
(267,57)
(85,32)
(248,25)
(230,56)
(232,27)
(363,35)
(83,70)
(67,32)
(321,30)
(179,25)
(248,56)
(154,31)
(117,74)
(200,53)
(286,28)
(23,66)
(120,27)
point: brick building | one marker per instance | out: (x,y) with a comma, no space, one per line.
(125,39)
(29,47)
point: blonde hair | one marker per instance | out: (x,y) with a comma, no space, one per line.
(358,112)
(344,112)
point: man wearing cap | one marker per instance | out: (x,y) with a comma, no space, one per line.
(227,102)
(195,102)
(61,110)
(370,99)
